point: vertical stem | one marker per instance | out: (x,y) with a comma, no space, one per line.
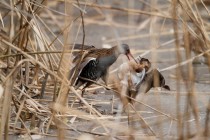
(65,60)
(178,70)
(206,131)
(187,53)
(6,107)
(64,68)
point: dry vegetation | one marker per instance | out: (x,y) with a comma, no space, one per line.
(37,99)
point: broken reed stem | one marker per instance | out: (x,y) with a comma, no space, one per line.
(27,130)
(152,108)
(144,123)
(19,110)
(85,102)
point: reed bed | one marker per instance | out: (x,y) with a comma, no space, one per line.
(38,101)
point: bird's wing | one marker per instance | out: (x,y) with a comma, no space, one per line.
(79,54)
(94,52)
(75,72)
(85,47)
(77,57)
(81,47)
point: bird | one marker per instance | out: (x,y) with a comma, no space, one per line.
(94,64)
(152,79)
(135,78)
(124,82)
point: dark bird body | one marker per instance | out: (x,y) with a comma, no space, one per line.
(95,63)
(152,79)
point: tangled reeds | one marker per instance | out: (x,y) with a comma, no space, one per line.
(37,99)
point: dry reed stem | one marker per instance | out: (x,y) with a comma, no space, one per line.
(141,36)
(191,102)
(49,71)
(5,114)
(144,123)
(19,112)
(178,113)
(206,130)
(131,98)
(132,11)
(64,63)
(184,62)
(27,131)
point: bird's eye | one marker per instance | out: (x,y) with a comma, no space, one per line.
(146,68)
(128,51)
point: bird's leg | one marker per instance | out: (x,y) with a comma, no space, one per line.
(128,112)
(78,84)
(83,91)
(131,89)
(87,85)
(133,96)
(105,78)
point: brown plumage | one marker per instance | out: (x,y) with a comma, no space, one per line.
(134,78)
(152,79)
(95,63)
(128,76)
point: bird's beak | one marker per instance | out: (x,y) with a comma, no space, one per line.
(129,56)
